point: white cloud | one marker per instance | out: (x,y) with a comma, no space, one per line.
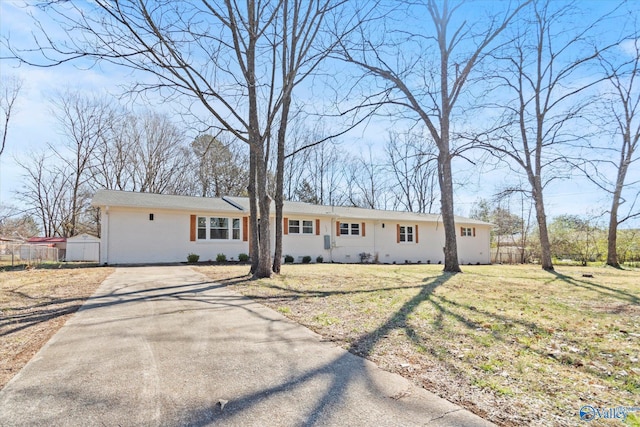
(630,47)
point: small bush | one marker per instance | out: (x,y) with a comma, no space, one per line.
(319,259)
(193,258)
(364,256)
(221,258)
(306,259)
(243,257)
(288,259)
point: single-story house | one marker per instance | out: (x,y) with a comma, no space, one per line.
(154,228)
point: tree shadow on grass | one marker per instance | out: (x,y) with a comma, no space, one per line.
(13,320)
(475,320)
(364,345)
(603,290)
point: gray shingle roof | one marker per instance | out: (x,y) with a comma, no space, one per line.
(300,208)
(235,204)
(160,201)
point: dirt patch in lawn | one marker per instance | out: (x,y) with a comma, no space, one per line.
(34,304)
(514,344)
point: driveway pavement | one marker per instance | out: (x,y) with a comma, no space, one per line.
(164,346)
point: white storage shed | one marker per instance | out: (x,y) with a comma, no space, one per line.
(83,247)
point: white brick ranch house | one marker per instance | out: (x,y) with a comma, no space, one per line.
(154,228)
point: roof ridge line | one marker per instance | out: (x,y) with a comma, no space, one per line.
(232,203)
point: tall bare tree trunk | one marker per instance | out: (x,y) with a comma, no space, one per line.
(612,241)
(279,197)
(446,197)
(264,205)
(541,217)
(445,177)
(253,213)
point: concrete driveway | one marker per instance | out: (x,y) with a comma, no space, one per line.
(164,346)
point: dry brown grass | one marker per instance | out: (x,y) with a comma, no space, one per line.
(514,344)
(34,304)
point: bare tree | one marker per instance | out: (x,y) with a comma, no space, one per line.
(325,173)
(112,166)
(298,52)
(19,227)
(542,99)
(221,169)
(413,165)
(83,122)
(313,165)
(160,154)
(45,193)
(224,57)
(366,181)
(10,87)
(428,88)
(622,104)
(297,164)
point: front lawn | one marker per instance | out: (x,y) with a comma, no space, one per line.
(514,344)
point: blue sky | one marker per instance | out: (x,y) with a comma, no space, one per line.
(33,126)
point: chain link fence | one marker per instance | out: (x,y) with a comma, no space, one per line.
(14,254)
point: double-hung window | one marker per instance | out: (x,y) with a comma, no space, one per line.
(307,227)
(294,226)
(236,229)
(218,228)
(297,226)
(466,232)
(347,229)
(406,233)
(202,228)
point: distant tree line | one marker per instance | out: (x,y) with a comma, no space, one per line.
(106,147)
(573,239)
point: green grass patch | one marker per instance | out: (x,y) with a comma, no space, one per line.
(509,336)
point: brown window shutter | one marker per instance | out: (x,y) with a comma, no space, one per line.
(397,233)
(317,227)
(338,228)
(245,229)
(474,232)
(192,232)
(416,233)
(286,226)
(461,231)
(363,234)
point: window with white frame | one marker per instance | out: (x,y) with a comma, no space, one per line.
(466,231)
(235,230)
(218,228)
(347,229)
(406,233)
(202,228)
(297,226)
